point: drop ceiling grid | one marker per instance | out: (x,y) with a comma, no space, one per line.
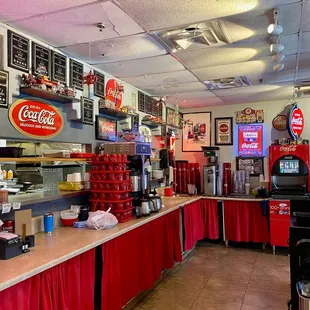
(64,28)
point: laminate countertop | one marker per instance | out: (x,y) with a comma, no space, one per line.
(66,242)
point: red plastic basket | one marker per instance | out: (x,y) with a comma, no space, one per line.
(124,216)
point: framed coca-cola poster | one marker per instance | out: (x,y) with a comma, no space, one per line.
(250,140)
(223,131)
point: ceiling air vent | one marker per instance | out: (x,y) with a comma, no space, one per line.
(208,34)
(230,82)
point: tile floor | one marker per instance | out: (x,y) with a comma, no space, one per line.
(219,278)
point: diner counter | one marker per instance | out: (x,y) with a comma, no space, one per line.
(65,243)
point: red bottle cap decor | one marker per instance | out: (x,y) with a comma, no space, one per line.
(296,122)
(36,118)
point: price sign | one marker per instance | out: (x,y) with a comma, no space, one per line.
(41,57)
(59,68)
(18,52)
(99,85)
(87,110)
(4,89)
(76,74)
(141,102)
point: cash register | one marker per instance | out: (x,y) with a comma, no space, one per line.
(11,245)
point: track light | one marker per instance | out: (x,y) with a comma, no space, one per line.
(278,67)
(276,48)
(274,29)
(277,58)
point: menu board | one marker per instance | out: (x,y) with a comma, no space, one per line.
(250,140)
(148,104)
(99,85)
(18,52)
(160,109)
(135,123)
(141,102)
(76,74)
(155,106)
(87,110)
(59,68)
(41,57)
(4,89)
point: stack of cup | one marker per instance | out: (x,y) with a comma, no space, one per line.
(77,177)
(86,181)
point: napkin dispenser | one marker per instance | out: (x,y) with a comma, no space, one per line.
(10,245)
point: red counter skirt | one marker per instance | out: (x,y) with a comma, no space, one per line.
(200,221)
(135,260)
(244,221)
(67,286)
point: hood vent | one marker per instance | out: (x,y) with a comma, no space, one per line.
(208,34)
(230,82)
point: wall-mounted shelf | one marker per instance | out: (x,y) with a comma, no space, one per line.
(41,159)
(48,95)
(151,124)
(114,113)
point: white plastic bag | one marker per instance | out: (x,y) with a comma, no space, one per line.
(101,220)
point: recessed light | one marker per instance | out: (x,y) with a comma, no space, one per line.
(274,29)
(276,48)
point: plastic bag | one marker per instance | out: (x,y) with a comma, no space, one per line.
(101,220)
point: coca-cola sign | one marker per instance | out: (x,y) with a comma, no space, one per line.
(288,148)
(250,140)
(114,93)
(36,118)
(296,122)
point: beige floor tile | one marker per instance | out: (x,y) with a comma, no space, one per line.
(263,299)
(247,307)
(189,286)
(202,261)
(165,300)
(272,259)
(229,278)
(270,282)
(146,298)
(235,265)
(202,304)
(191,270)
(216,293)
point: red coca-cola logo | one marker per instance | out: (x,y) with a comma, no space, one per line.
(250,145)
(114,93)
(223,128)
(296,122)
(36,118)
(288,148)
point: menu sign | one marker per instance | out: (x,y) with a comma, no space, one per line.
(141,102)
(18,52)
(36,118)
(296,122)
(41,57)
(249,116)
(76,74)
(59,68)
(87,111)
(250,140)
(148,104)
(99,85)
(4,89)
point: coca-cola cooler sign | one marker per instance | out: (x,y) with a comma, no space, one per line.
(250,142)
(296,122)
(114,93)
(36,118)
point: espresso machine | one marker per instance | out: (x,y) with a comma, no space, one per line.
(210,170)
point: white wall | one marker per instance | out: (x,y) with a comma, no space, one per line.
(229,153)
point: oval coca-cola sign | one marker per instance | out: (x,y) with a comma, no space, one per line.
(223,128)
(36,118)
(296,122)
(113,93)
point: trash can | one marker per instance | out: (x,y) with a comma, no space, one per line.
(303,289)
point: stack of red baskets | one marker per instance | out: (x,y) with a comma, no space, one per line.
(111,186)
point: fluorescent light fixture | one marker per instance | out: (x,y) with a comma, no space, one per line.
(277,58)
(278,67)
(276,48)
(274,29)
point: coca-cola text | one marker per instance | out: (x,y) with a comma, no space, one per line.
(42,117)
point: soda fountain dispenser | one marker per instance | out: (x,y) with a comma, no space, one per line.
(210,170)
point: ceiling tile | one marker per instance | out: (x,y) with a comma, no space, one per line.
(305,42)
(132,47)
(197,103)
(17,9)
(163,14)
(152,65)
(305,26)
(78,25)
(304,61)
(161,79)
(170,89)
(172,99)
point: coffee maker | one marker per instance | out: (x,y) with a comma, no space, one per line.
(210,170)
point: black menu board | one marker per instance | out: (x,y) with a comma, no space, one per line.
(41,56)
(76,74)
(87,110)
(155,106)
(18,52)
(99,85)
(135,123)
(59,68)
(148,104)
(141,102)
(4,89)
(160,109)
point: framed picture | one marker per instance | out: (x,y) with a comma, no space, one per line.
(105,129)
(224,131)
(196,131)
(173,118)
(4,89)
